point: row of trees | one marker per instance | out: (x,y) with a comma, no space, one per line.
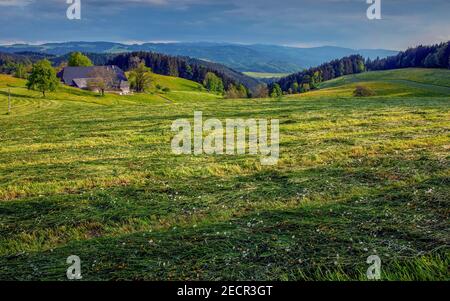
(43,77)
(435,56)
(311,78)
(20,64)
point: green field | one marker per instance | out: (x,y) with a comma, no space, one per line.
(95,177)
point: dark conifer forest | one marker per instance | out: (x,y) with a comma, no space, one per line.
(435,56)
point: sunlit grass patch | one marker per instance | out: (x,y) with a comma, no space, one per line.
(95,176)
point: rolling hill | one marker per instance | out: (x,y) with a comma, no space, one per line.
(244,58)
(410,82)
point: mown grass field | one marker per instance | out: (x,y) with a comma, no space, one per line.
(95,177)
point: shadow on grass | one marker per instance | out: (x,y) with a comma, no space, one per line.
(290,243)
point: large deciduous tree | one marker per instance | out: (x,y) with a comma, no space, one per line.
(43,77)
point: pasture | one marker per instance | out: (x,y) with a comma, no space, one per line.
(95,177)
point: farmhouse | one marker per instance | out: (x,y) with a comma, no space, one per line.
(80,77)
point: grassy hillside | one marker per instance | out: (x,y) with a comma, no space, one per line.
(95,177)
(402,83)
(176,83)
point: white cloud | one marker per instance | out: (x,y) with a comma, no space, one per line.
(15,2)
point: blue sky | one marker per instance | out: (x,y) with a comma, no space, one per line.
(300,23)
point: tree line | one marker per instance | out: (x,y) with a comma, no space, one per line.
(435,56)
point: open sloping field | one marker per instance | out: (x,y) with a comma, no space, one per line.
(95,177)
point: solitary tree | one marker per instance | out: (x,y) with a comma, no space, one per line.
(43,77)
(77,59)
(140,77)
(101,79)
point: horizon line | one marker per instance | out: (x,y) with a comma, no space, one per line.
(137,42)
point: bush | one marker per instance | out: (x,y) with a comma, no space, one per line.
(362,91)
(166,90)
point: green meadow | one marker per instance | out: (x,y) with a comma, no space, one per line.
(265,74)
(95,177)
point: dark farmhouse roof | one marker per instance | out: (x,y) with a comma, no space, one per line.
(75,76)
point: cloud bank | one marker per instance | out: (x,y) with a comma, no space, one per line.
(289,22)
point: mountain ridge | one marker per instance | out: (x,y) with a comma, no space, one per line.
(241,57)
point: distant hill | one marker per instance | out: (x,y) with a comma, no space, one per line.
(423,56)
(244,58)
